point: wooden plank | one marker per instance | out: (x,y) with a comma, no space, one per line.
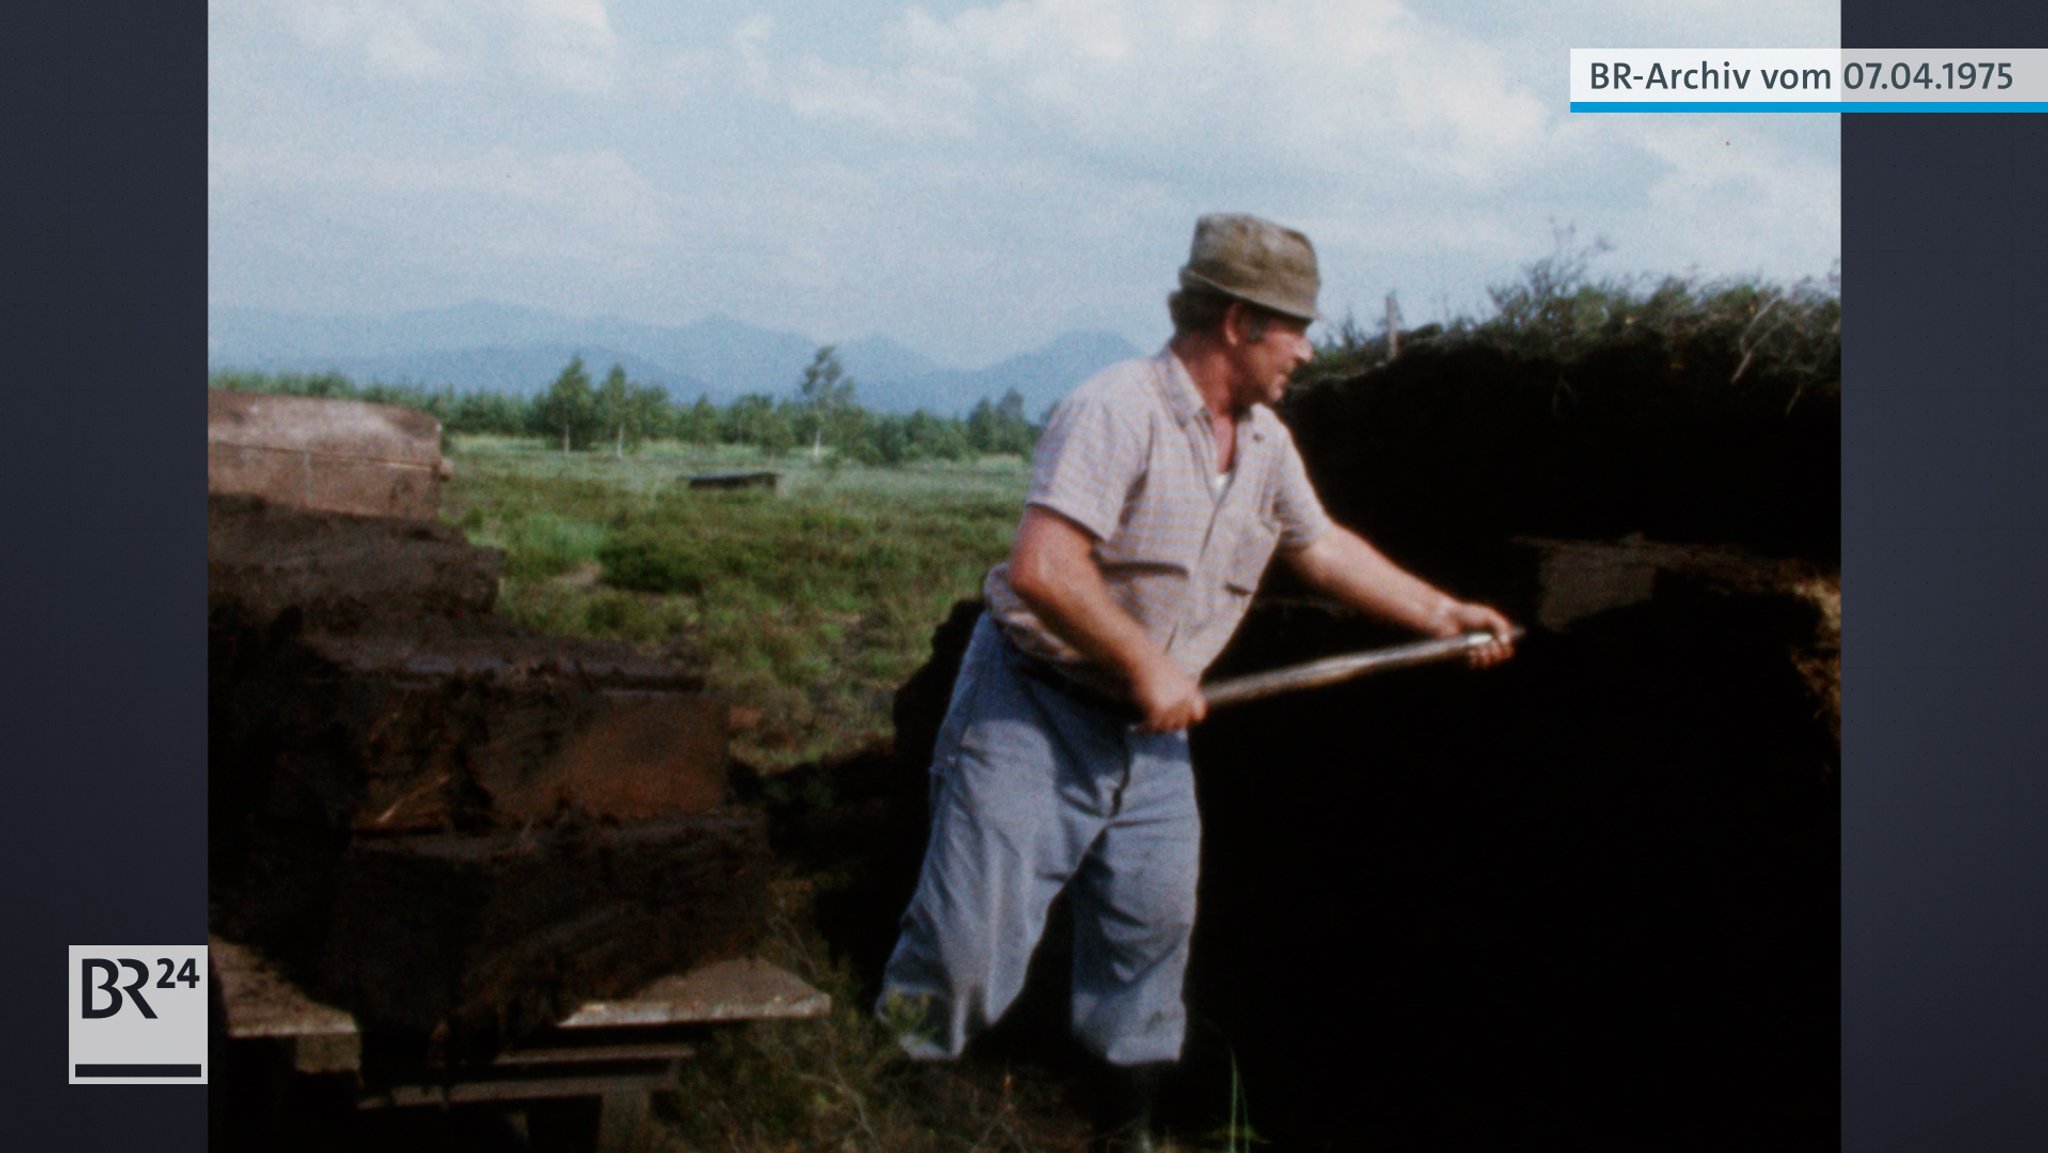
(521,1089)
(740,990)
(324,427)
(330,455)
(261,1005)
(664,1049)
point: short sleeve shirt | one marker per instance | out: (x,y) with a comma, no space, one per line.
(1130,457)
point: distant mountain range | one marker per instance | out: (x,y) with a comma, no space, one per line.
(496,347)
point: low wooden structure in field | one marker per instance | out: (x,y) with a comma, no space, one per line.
(742,479)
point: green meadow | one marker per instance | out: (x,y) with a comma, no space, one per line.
(804,608)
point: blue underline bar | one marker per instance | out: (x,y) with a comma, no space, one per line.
(1822,106)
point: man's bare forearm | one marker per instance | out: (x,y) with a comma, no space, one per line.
(1052,567)
(1343,565)
(1058,579)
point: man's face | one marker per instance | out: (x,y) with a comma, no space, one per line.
(1265,363)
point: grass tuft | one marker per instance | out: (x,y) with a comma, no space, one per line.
(841,1084)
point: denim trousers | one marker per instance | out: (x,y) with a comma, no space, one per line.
(1036,788)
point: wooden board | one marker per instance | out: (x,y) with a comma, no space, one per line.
(331,455)
(747,989)
(261,1004)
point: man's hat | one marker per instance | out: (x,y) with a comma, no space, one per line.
(1255,260)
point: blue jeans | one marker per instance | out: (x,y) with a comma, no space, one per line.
(1036,788)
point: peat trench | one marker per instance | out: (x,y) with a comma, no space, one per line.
(1587,900)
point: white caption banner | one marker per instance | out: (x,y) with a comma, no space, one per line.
(1809,79)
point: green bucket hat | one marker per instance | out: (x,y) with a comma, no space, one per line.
(1255,260)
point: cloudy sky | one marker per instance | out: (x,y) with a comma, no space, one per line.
(970,178)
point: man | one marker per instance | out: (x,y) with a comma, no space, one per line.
(1159,492)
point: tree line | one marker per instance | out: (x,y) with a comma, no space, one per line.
(821,413)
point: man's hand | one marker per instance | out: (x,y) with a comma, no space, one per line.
(1170,699)
(1462,617)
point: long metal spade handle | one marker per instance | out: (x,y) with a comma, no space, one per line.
(1315,674)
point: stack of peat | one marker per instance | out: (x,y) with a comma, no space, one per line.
(454,829)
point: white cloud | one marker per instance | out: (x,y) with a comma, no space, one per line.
(684,77)
(1767,203)
(395,39)
(567,45)
(1346,87)
(912,101)
(750,41)
(492,209)
(1698,23)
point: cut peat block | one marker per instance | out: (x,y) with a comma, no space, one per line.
(339,572)
(478,940)
(504,731)
(441,823)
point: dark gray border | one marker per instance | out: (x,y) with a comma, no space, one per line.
(103,246)
(1944,556)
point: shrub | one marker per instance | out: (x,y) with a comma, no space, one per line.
(543,544)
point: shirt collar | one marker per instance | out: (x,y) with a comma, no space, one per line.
(1185,401)
(1177,388)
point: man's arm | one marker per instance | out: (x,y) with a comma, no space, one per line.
(1343,565)
(1052,567)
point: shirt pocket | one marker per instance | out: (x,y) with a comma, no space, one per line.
(1247,562)
(1150,547)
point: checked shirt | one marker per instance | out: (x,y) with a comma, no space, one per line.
(1130,457)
